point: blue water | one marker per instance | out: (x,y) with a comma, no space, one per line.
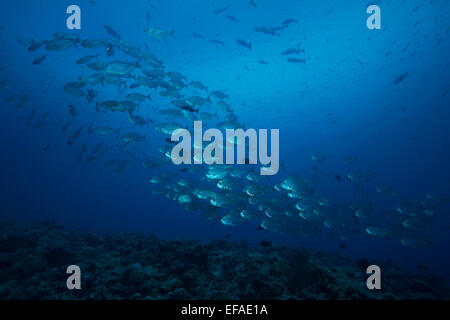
(341,102)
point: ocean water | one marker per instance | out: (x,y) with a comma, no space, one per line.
(345,99)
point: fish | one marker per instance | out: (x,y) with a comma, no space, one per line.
(66,126)
(287,22)
(75,89)
(103,131)
(77,133)
(198,85)
(405,48)
(296,60)
(111,105)
(197,36)
(265,30)
(139,121)
(38,60)
(232,18)
(150,164)
(31,117)
(218,94)
(217,42)
(97,147)
(39,124)
(219,11)
(111,31)
(59,44)
(167,128)
(91,95)
(158,33)
(132,137)
(319,157)
(66,36)
(37,45)
(72,110)
(244,43)
(86,59)
(292,51)
(226,194)
(97,65)
(119,68)
(221,201)
(401,77)
(93,43)
(109,49)
(82,151)
(138,97)
(189,108)
(195,101)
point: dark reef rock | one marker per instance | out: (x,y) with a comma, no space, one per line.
(33,264)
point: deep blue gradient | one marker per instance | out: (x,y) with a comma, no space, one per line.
(341,102)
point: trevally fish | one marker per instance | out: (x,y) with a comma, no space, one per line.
(158,33)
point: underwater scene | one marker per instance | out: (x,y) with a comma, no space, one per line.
(225,149)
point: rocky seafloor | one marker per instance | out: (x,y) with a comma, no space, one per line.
(33,262)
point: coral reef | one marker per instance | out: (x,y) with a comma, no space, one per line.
(33,262)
